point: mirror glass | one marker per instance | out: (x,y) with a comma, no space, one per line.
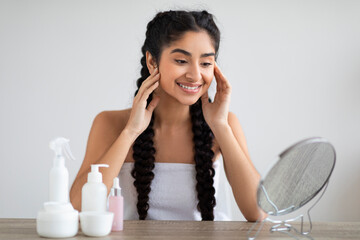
(298,176)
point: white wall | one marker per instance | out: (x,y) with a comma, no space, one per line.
(294,67)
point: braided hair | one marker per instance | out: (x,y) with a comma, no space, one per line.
(165,28)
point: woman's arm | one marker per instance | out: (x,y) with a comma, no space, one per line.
(104,146)
(239,169)
(109,141)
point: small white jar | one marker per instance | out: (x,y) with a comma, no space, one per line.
(96,224)
(54,222)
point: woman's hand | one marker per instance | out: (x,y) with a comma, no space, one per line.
(140,116)
(216,113)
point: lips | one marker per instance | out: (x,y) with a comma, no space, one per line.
(189,88)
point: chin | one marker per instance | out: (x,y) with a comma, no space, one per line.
(188,102)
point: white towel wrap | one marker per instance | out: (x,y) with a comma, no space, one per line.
(173,194)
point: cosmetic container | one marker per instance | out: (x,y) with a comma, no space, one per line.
(116,205)
(59,175)
(96,224)
(94,192)
(58,218)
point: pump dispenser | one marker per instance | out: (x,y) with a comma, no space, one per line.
(58,219)
(95,176)
(93,194)
(95,221)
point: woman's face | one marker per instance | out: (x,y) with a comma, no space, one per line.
(187,68)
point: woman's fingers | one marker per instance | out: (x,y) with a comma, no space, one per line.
(140,114)
(151,79)
(147,84)
(205,98)
(221,80)
(217,78)
(218,75)
(153,104)
(148,91)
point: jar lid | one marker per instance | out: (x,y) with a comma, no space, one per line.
(58,215)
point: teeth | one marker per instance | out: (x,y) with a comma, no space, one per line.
(191,88)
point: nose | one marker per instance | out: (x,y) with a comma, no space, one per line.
(193,73)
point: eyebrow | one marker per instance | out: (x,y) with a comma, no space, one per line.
(189,54)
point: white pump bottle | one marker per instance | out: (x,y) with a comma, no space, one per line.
(59,175)
(94,192)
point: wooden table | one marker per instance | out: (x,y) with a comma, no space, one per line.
(164,230)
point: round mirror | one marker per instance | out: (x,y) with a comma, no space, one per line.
(301,172)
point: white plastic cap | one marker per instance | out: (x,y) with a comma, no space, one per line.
(115,189)
(95,175)
(116,184)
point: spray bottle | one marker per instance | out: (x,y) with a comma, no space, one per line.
(59,175)
(58,219)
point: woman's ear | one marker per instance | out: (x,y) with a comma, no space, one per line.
(150,62)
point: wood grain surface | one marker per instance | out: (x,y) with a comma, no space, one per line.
(161,230)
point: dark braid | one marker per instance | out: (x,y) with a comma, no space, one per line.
(203,139)
(144,164)
(165,28)
(143,154)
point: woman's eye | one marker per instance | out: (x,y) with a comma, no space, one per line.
(206,64)
(180,61)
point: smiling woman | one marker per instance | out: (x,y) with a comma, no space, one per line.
(165,148)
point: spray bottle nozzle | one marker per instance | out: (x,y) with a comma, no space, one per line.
(61,147)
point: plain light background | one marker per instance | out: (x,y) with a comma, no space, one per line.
(294,67)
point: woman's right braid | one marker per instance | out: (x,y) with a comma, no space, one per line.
(143,154)
(143,168)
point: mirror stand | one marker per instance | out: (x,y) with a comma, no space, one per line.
(284,226)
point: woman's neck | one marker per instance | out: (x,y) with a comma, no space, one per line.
(170,114)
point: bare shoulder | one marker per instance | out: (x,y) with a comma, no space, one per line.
(112,121)
(106,127)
